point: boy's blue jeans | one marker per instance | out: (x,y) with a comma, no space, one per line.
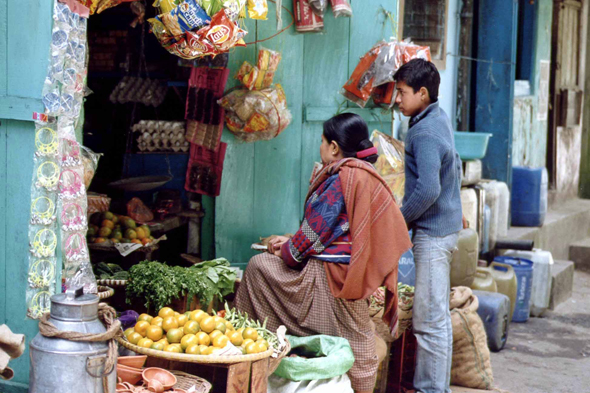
(431,315)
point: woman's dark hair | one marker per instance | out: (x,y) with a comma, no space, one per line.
(351,133)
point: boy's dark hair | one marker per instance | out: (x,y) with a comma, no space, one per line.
(418,73)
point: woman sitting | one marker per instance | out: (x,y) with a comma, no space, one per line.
(348,245)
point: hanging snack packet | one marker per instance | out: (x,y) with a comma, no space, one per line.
(318,7)
(257,9)
(222,33)
(305,20)
(341,8)
(165,6)
(360,85)
(268,60)
(233,8)
(247,74)
(211,7)
(384,94)
(185,17)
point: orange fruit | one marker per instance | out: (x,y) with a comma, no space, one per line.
(128,331)
(207,324)
(191,327)
(158,346)
(145,343)
(134,338)
(166,312)
(188,341)
(163,341)
(198,315)
(261,340)
(169,323)
(250,333)
(220,341)
(221,327)
(261,346)
(251,348)
(206,351)
(174,336)
(145,317)
(136,241)
(193,350)
(108,224)
(130,234)
(157,321)
(115,240)
(214,334)
(246,342)
(154,333)
(229,326)
(140,233)
(204,338)
(145,241)
(172,348)
(181,319)
(100,240)
(235,338)
(146,230)
(141,327)
(202,348)
(241,330)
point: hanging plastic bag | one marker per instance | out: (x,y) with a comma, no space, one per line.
(306,21)
(318,7)
(341,8)
(393,55)
(360,85)
(257,9)
(390,163)
(90,162)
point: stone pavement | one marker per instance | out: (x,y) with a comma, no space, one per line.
(550,354)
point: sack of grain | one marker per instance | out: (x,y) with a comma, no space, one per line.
(471,365)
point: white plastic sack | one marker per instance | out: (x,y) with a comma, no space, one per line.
(340,384)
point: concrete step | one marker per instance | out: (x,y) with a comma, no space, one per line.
(562,282)
(580,254)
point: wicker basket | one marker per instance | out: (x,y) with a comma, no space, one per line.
(186,381)
(202,359)
(273,363)
(105,292)
(112,283)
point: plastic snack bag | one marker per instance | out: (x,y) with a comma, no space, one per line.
(390,163)
(187,16)
(257,9)
(222,33)
(247,74)
(90,162)
(318,7)
(341,8)
(268,60)
(360,85)
(306,21)
(165,6)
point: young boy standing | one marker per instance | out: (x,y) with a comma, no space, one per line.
(432,208)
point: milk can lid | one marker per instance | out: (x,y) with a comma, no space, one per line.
(74,305)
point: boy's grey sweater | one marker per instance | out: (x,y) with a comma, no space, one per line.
(432,200)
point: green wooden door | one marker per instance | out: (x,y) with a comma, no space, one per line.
(25,32)
(265,183)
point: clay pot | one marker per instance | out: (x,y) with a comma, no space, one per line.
(132,361)
(165,377)
(179,391)
(129,374)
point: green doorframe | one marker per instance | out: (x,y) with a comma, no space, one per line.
(584,186)
(24,49)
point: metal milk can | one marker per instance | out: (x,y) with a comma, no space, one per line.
(65,366)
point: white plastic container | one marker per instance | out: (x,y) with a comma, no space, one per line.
(497,197)
(471,173)
(541,291)
(469,206)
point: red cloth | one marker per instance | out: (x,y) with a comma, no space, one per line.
(379,236)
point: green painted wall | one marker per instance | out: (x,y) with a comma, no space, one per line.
(529,146)
(25,27)
(264,183)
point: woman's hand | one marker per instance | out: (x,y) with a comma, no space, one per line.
(275,244)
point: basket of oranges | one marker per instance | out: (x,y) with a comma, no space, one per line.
(196,337)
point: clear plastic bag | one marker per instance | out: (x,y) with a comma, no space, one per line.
(390,163)
(90,163)
(318,7)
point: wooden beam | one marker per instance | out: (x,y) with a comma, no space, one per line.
(19,108)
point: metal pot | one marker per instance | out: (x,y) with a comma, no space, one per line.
(65,366)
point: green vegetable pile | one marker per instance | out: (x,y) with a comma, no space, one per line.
(239,320)
(157,285)
(110,271)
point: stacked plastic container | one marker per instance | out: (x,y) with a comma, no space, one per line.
(529,196)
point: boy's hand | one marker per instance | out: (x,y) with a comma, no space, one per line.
(465,223)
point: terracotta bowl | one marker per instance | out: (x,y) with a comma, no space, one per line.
(165,377)
(129,374)
(132,361)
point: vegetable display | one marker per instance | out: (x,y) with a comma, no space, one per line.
(110,271)
(158,285)
(242,321)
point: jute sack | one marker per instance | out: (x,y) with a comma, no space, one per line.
(471,365)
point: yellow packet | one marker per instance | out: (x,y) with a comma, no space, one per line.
(257,9)
(165,6)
